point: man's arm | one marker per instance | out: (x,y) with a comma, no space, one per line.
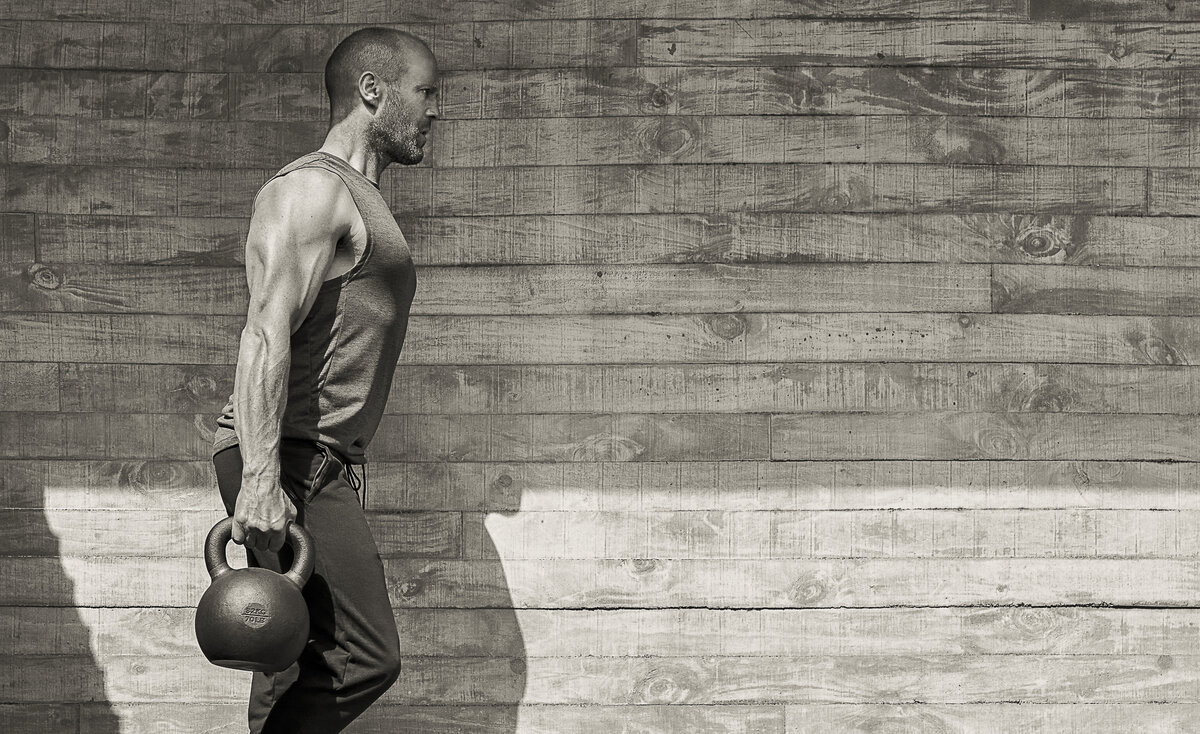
(297,222)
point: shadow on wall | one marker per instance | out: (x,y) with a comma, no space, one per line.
(61,687)
(465,665)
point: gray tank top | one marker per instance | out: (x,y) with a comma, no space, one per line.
(345,352)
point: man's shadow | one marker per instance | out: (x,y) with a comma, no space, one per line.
(464,664)
(49,627)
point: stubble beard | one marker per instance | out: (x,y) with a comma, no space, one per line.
(396,142)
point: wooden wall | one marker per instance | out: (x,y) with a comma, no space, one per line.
(776,366)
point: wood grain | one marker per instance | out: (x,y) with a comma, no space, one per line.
(161,485)
(746,237)
(538,94)
(933,139)
(551,289)
(618,189)
(782,42)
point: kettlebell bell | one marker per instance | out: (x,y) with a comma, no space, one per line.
(254,618)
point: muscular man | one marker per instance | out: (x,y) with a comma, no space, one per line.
(331,280)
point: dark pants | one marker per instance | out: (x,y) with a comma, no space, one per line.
(353,651)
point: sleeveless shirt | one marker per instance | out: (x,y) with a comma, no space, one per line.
(344,353)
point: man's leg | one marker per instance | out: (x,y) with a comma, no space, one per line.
(353,653)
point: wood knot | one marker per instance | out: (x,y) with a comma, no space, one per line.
(660,97)
(200,387)
(1165,662)
(728,326)
(518,665)
(1156,350)
(146,476)
(643,566)
(965,321)
(504,481)
(1048,399)
(1119,50)
(998,442)
(809,588)
(673,136)
(43,277)
(835,199)
(1039,242)
(412,587)
(1039,624)
(606,447)
(665,685)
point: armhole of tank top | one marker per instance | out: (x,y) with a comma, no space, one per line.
(361,261)
(323,165)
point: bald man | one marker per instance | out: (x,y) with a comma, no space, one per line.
(331,280)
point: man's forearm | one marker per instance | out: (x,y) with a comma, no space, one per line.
(259,397)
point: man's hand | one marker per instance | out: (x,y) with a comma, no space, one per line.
(261,517)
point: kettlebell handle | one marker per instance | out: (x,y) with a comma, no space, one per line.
(297,537)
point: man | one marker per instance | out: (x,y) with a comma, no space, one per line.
(331,280)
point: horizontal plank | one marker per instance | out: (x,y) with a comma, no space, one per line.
(60,533)
(781,42)
(720,388)
(525,289)
(540,633)
(472,144)
(128,484)
(652,437)
(618,189)
(665,339)
(748,237)
(654,583)
(1141,10)
(636,681)
(1167,192)
(40,717)
(996,718)
(215,718)
(424,11)
(221,46)
(18,237)
(974,533)
(32,386)
(539,94)
(956,435)
(1094,290)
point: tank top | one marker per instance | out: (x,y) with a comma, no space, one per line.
(344,353)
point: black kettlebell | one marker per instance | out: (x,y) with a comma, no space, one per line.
(254,618)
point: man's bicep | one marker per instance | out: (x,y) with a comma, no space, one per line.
(292,239)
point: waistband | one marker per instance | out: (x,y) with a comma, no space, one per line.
(305,452)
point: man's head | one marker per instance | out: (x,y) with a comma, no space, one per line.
(389,78)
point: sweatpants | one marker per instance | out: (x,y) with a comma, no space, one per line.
(353,651)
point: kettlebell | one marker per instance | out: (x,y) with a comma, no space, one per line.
(254,618)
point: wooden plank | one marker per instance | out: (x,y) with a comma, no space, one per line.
(18,237)
(42,717)
(425,11)
(1073,533)
(719,388)
(1167,192)
(657,238)
(286,47)
(521,289)
(653,583)
(621,189)
(543,633)
(129,484)
(774,387)
(666,339)
(61,533)
(974,533)
(784,42)
(1115,10)
(588,437)
(1092,290)
(708,680)
(996,718)
(32,386)
(961,435)
(940,139)
(622,91)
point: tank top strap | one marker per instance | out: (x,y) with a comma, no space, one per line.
(352,177)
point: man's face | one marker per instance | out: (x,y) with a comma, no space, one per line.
(399,128)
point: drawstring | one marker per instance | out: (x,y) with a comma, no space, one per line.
(359,484)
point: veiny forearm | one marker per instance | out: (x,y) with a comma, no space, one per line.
(259,397)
